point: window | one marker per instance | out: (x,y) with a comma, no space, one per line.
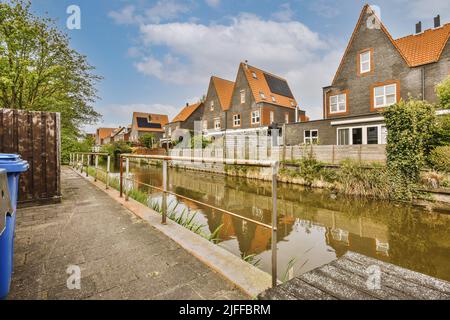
(343,136)
(286,117)
(357,136)
(212,106)
(254,75)
(364,62)
(372,135)
(236,120)
(385,95)
(263,96)
(338,103)
(217,124)
(170,131)
(292,104)
(273,99)
(272,117)
(255,117)
(242,96)
(311,136)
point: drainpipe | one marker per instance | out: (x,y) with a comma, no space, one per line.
(296,114)
(423,82)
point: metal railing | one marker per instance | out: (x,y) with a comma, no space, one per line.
(77,160)
(125,176)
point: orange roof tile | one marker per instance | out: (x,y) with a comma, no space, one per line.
(186,112)
(425,47)
(155,118)
(260,84)
(224,89)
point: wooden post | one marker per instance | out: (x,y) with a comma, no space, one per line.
(164,198)
(96,167)
(108,163)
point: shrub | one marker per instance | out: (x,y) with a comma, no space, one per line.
(116,148)
(443,93)
(440,159)
(147,140)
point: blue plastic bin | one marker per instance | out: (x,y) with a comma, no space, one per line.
(13,165)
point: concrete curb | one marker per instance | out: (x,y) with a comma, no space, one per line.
(245,276)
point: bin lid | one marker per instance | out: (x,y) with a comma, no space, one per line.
(12,163)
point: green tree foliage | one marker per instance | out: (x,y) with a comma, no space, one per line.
(443,93)
(440,159)
(116,148)
(40,72)
(411,125)
(69,145)
(147,140)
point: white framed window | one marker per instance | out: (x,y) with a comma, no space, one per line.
(364,62)
(217,124)
(262,95)
(255,117)
(286,117)
(205,124)
(211,106)
(254,75)
(273,99)
(242,96)
(384,96)
(311,136)
(368,134)
(170,131)
(236,120)
(272,117)
(338,103)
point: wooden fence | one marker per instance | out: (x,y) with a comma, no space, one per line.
(35,136)
(330,154)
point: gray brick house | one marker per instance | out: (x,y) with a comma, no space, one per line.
(182,122)
(376,71)
(216,104)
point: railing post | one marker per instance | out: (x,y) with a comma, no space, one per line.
(127,176)
(164,198)
(87,164)
(121,176)
(96,167)
(274,223)
(108,163)
(82,162)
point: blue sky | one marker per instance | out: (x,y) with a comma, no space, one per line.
(157,55)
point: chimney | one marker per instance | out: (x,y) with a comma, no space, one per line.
(187,104)
(437,21)
(246,64)
(419,27)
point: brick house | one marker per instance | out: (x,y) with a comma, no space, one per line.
(143,123)
(101,134)
(376,71)
(260,99)
(216,104)
(184,120)
(255,100)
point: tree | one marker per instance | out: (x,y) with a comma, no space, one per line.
(39,71)
(147,140)
(116,148)
(411,125)
(443,93)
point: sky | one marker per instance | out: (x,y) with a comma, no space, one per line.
(156,55)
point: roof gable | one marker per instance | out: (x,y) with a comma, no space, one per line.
(270,85)
(224,89)
(367,10)
(186,112)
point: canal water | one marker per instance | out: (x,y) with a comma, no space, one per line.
(314,226)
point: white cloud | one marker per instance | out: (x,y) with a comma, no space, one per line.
(213,3)
(194,52)
(163,10)
(423,9)
(284,14)
(324,10)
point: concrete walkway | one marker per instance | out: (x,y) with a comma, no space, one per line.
(120,256)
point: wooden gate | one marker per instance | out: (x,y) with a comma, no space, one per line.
(35,136)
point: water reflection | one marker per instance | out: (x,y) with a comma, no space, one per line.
(313,227)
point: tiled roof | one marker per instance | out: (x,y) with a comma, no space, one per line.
(260,84)
(186,112)
(224,89)
(425,47)
(159,119)
(102,133)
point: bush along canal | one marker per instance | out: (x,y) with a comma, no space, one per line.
(314,225)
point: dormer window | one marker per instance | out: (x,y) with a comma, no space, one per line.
(263,96)
(365,63)
(254,75)
(273,99)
